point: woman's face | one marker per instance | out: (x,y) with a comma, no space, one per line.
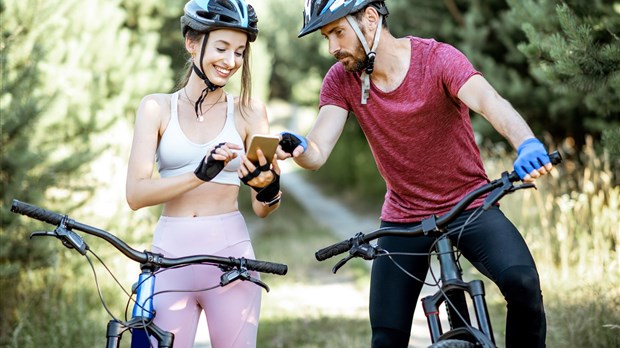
(224,54)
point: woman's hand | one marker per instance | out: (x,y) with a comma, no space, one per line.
(218,158)
(258,175)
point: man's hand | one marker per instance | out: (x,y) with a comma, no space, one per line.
(291,145)
(532,160)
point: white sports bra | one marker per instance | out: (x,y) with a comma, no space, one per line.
(176,154)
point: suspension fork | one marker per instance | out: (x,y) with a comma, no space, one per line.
(451,272)
(454,288)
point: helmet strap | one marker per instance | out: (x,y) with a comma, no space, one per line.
(210,86)
(369,65)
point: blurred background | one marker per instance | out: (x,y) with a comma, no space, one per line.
(73,73)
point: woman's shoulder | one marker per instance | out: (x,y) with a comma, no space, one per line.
(156,103)
(253,117)
(155,109)
(159,99)
(253,102)
(253,108)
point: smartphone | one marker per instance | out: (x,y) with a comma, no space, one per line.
(267,143)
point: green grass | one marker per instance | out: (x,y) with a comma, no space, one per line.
(322,332)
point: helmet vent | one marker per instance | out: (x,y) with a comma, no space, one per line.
(227,19)
(226,4)
(205,14)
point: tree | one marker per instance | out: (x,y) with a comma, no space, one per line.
(70,70)
(573,48)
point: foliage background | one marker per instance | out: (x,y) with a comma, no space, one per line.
(73,73)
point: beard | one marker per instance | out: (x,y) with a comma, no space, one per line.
(353,62)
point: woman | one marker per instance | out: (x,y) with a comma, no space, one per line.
(197,136)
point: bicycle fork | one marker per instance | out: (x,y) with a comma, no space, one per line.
(453,287)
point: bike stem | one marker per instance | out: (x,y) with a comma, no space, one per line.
(445,254)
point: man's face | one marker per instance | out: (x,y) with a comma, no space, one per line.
(344,44)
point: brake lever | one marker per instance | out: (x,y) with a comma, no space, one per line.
(242,274)
(42,234)
(524,186)
(259,283)
(365,251)
(69,239)
(341,263)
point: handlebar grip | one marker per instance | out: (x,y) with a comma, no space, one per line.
(333,250)
(266,267)
(555,158)
(36,212)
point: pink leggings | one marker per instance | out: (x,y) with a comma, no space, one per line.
(231,311)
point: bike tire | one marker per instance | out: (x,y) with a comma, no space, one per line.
(452,344)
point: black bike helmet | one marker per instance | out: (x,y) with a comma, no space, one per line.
(318,13)
(207,15)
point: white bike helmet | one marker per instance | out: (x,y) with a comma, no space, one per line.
(207,15)
(204,16)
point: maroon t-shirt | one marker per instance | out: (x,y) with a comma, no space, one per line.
(420,133)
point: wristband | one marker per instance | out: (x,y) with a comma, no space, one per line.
(274,201)
(270,193)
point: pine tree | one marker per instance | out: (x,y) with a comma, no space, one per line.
(573,48)
(70,71)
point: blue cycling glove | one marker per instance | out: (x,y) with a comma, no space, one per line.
(531,156)
(290,141)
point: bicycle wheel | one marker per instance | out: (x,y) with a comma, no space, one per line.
(452,344)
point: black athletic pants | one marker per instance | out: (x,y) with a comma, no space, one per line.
(493,245)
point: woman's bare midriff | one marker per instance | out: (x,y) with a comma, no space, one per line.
(205,200)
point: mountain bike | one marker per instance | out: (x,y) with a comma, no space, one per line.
(451,286)
(141,323)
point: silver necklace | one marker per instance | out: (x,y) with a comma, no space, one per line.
(200,117)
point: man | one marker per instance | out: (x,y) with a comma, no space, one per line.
(412,98)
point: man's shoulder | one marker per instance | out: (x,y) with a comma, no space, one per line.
(336,69)
(423,43)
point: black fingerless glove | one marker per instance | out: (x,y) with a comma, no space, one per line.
(270,194)
(289,142)
(209,168)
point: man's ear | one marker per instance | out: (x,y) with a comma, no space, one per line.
(371,16)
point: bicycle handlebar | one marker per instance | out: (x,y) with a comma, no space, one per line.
(53,218)
(434,222)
